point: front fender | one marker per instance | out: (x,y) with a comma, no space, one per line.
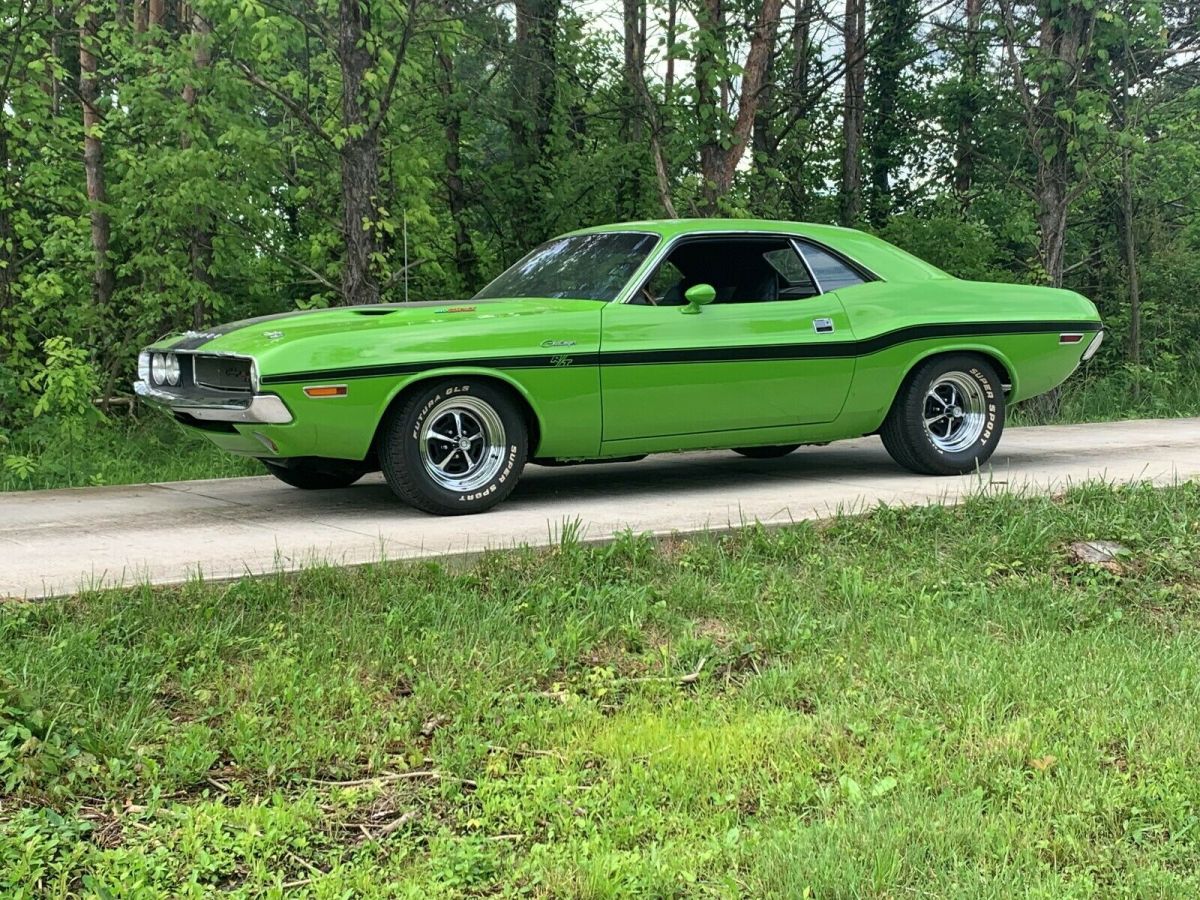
(465,371)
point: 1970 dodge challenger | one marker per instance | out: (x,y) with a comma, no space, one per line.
(623,340)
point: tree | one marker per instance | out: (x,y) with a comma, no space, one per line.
(531,115)
(93,160)
(1052,80)
(466,261)
(370,53)
(724,143)
(200,249)
(854,45)
(893,126)
(965,106)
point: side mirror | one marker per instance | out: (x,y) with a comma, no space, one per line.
(698,295)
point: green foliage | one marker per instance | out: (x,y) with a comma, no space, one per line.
(809,710)
(65,385)
(223,139)
(964,249)
(116,450)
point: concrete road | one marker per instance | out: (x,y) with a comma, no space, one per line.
(54,542)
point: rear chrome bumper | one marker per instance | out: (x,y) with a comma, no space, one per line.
(265,409)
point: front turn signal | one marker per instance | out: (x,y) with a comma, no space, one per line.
(326,390)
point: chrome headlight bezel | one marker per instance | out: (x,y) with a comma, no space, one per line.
(143,369)
(164,369)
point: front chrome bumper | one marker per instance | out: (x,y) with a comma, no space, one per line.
(258,408)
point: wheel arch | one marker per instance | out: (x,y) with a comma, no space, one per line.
(1003,366)
(1002,363)
(533,418)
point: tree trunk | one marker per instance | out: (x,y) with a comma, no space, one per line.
(672,26)
(157,13)
(708,37)
(968,106)
(1052,226)
(852,112)
(629,187)
(1129,241)
(50,86)
(720,156)
(93,164)
(359,157)
(141,16)
(200,248)
(762,137)
(465,259)
(7,242)
(649,112)
(800,102)
(534,91)
(893,50)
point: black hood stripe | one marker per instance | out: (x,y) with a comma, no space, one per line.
(808,350)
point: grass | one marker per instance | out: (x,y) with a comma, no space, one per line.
(1121,394)
(940,702)
(136,451)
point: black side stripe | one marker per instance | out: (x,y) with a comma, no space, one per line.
(811,350)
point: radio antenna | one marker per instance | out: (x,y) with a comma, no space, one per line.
(405,229)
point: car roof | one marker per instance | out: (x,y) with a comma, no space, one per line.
(673,227)
(885,260)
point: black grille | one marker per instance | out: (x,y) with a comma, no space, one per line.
(222,373)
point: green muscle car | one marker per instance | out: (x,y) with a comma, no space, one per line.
(624,340)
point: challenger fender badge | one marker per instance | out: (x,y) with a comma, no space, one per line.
(558,343)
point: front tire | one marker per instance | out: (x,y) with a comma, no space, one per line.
(454,447)
(948,416)
(316,474)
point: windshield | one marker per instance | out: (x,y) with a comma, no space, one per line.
(584,267)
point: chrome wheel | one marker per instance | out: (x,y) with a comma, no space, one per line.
(955,412)
(462,443)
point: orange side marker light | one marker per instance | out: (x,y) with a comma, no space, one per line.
(326,390)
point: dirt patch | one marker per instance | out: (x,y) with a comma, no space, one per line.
(722,634)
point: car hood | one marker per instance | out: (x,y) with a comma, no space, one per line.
(361,335)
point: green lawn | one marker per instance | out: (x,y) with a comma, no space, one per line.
(118,451)
(926,702)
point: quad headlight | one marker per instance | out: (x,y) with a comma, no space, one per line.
(164,369)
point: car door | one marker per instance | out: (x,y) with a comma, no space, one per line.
(755,358)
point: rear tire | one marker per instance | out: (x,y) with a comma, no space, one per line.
(948,416)
(766,452)
(316,474)
(454,447)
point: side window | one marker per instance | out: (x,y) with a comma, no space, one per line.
(741,269)
(830,271)
(795,282)
(665,286)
